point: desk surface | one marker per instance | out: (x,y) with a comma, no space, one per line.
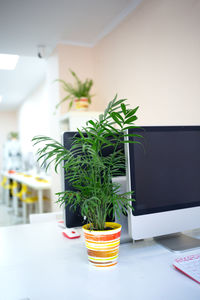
(37,262)
(31,181)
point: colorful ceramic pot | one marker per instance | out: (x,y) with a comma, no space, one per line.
(103,246)
(81,104)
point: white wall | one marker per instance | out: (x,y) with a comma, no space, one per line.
(55,132)
(8,123)
(33,117)
(36,116)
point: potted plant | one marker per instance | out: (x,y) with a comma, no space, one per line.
(90,174)
(79,93)
(13,135)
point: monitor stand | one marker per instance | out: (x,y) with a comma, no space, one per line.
(123,219)
(178,242)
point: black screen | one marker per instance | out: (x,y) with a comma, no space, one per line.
(165,169)
(74,218)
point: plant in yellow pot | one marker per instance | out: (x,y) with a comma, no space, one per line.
(77,93)
(89,172)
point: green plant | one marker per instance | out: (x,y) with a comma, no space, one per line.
(78,90)
(90,172)
(13,135)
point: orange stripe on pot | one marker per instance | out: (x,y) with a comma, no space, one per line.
(102,253)
(102,237)
(101,247)
(102,265)
(105,266)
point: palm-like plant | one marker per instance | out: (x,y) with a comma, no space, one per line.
(89,171)
(78,90)
(13,135)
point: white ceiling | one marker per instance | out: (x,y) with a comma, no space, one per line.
(26,24)
(16,85)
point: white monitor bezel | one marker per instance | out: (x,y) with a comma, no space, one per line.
(160,223)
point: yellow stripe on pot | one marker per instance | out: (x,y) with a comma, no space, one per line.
(102,258)
(102,246)
(102,242)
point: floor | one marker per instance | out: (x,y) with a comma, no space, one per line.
(7,217)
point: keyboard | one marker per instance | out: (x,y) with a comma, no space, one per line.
(189,265)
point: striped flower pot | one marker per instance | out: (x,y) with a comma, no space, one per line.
(103,246)
(81,103)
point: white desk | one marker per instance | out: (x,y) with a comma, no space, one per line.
(37,262)
(39,186)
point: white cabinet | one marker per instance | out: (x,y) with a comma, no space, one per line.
(73,120)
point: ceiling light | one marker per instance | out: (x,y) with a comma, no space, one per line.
(8,61)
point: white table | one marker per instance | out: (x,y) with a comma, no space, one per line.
(39,186)
(37,262)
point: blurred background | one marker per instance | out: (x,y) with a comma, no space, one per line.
(144,50)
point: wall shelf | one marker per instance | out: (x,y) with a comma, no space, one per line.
(76,119)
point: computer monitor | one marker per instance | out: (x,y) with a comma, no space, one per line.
(164,173)
(73,218)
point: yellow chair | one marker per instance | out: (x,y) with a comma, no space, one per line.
(4,181)
(23,190)
(19,194)
(2,184)
(7,185)
(13,187)
(27,199)
(15,195)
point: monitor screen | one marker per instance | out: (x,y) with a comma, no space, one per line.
(73,217)
(165,169)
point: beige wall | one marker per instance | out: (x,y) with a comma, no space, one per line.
(80,60)
(8,123)
(152,58)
